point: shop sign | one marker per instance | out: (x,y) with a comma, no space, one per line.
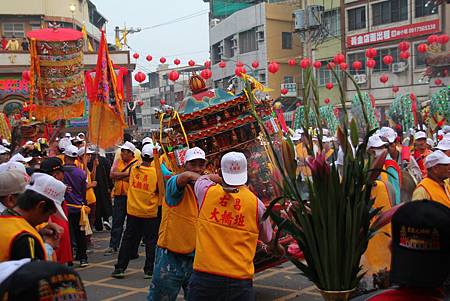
(393,33)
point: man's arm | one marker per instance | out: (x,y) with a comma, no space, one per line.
(202,185)
(185,178)
(265,227)
(116,174)
(26,246)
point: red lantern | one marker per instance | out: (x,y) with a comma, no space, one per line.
(432,39)
(412,96)
(273,67)
(162,60)
(305,63)
(26,75)
(388,59)
(422,48)
(140,77)
(176,62)
(136,55)
(206,73)
(149,58)
(339,58)
(222,64)
(403,46)
(445,72)
(331,65)
(357,65)
(443,39)
(384,78)
(191,63)
(329,86)
(317,64)
(239,71)
(343,66)
(371,63)
(284,91)
(404,55)
(371,53)
(239,64)
(140,103)
(292,62)
(162,102)
(255,64)
(327,100)
(174,75)
(438,81)
(395,89)
(207,64)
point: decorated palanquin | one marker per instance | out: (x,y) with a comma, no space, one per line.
(56,73)
(218,122)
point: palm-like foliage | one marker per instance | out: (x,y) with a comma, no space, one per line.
(333,227)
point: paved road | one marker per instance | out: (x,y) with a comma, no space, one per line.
(279,283)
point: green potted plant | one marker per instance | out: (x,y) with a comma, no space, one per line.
(333,227)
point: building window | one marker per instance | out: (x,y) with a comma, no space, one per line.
(425,8)
(356,18)
(325,75)
(13,29)
(247,41)
(229,46)
(332,23)
(419,58)
(389,11)
(382,67)
(216,53)
(35,26)
(357,56)
(262,78)
(286,40)
(288,80)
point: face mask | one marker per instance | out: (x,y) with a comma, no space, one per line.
(378,152)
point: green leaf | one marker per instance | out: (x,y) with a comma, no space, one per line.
(354,132)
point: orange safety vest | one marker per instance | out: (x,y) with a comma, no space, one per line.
(436,192)
(378,254)
(11,227)
(142,200)
(90,194)
(227,233)
(121,186)
(178,224)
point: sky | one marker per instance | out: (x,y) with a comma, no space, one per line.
(185,40)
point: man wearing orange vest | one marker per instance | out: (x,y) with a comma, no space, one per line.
(421,150)
(18,236)
(434,187)
(177,232)
(120,173)
(142,215)
(228,228)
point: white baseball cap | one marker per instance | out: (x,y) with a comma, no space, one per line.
(430,142)
(420,135)
(435,158)
(193,154)
(128,146)
(13,182)
(20,158)
(296,137)
(388,133)
(147,140)
(49,187)
(81,151)
(234,168)
(13,166)
(63,143)
(447,136)
(443,145)
(4,150)
(299,131)
(147,150)
(375,141)
(71,151)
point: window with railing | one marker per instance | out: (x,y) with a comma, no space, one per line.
(324,75)
(419,58)
(331,20)
(286,40)
(247,41)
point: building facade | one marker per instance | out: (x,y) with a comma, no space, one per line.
(262,32)
(382,25)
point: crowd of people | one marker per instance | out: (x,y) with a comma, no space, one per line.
(13,44)
(200,230)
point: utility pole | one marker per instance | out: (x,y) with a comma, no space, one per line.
(121,35)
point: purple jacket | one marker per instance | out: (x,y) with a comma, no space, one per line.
(75,180)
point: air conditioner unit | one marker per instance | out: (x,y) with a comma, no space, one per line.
(299,20)
(399,67)
(360,78)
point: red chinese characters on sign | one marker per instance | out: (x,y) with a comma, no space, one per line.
(393,33)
